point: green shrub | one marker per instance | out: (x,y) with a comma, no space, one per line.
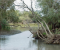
(57,31)
(4,25)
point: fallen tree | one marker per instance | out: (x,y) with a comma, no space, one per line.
(49,37)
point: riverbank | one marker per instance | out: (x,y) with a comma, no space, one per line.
(11,32)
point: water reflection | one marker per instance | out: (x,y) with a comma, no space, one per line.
(22,42)
(43,46)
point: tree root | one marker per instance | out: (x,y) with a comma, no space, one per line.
(53,40)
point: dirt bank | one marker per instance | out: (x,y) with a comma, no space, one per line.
(11,32)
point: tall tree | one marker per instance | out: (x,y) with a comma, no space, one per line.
(51,12)
(5,5)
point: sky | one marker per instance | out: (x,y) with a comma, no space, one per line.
(28,2)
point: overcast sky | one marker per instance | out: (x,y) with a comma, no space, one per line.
(28,2)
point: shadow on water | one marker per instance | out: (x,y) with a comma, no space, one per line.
(22,42)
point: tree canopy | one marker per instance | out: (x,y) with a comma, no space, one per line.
(51,12)
(7,13)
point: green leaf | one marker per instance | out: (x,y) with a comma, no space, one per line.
(44,33)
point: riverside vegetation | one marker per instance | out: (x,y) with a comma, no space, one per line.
(47,19)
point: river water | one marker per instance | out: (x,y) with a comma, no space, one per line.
(24,41)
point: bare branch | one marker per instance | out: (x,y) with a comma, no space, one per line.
(26,5)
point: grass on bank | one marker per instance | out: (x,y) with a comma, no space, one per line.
(25,24)
(23,27)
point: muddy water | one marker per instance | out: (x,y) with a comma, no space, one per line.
(24,41)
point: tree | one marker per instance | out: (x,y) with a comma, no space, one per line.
(5,7)
(12,15)
(46,6)
(51,12)
(33,15)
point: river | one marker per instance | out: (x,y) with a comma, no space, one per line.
(24,41)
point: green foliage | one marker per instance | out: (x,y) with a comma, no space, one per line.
(35,18)
(12,16)
(7,14)
(4,25)
(57,31)
(5,4)
(44,33)
(51,12)
(24,17)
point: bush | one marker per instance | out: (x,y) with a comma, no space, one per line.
(53,21)
(57,31)
(4,25)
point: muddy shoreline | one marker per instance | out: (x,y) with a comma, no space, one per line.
(11,32)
